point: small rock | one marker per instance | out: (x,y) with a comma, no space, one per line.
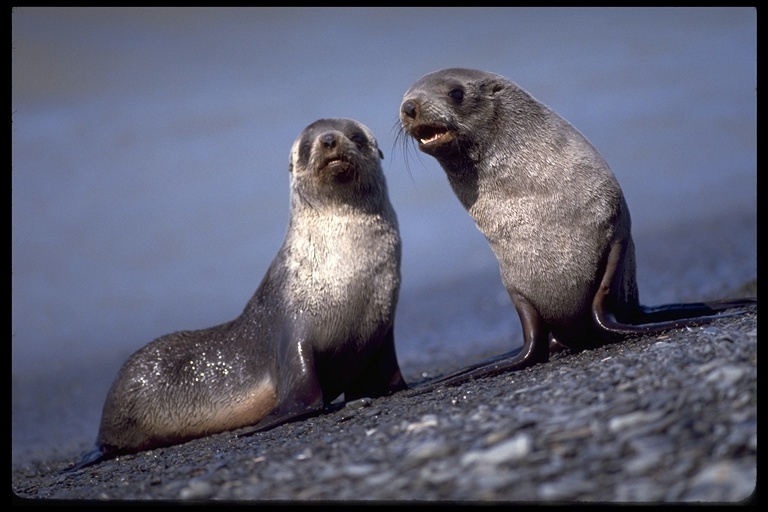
(197,490)
(513,449)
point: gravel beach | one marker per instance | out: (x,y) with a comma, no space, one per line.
(149,177)
(669,418)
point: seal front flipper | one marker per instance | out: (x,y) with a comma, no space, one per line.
(465,374)
(381,376)
(535,350)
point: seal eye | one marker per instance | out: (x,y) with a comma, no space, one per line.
(457,94)
(304,150)
(359,140)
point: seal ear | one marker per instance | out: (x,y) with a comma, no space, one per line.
(381,153)
(290,166)
(494,86)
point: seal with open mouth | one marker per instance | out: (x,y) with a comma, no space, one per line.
(551,210)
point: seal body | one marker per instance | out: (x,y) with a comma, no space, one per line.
(551,210)
(319,325)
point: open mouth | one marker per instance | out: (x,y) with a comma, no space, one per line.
(338,169)
(333,162)
(427,135)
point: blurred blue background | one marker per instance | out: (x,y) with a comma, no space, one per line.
(150,168)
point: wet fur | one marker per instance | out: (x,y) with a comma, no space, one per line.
(319,325)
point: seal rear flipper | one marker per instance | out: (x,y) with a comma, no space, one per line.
(95,456)
(612,330)
(294,410)
(644,319)
(278,419)
(669,312)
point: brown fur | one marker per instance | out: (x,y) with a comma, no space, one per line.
(550,208)
(320,323)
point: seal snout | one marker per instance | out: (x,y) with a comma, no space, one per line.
(410,108)
(328,145)
(329,140)
(335,161)
(427,134)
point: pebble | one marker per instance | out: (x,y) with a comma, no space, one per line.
(670,419)
(510,450)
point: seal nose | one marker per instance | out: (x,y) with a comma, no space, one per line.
(410,108)
(328,140)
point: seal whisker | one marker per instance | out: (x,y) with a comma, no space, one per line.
(407,144)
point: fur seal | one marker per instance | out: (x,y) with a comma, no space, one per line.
(551,210)
(320,323)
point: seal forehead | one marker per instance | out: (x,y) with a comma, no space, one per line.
(462,74)
(452,77)
(343,125)
(348,127)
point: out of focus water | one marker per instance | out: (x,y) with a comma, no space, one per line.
(150,159)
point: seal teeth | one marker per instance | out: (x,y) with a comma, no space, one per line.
(432,138)
(429,134)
